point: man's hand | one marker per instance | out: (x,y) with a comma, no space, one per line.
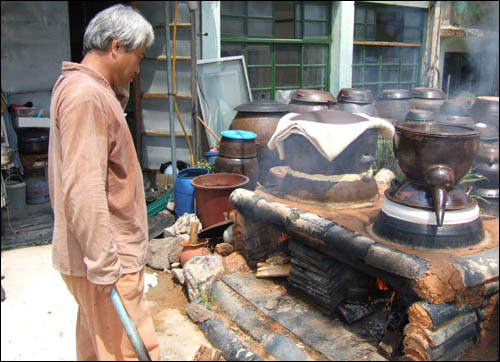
(105,288)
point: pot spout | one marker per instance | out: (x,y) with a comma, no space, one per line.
(441,178)
(439,202)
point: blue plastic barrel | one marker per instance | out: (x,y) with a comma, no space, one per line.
(184,191)
(211,156)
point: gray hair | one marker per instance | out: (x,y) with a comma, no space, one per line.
(118,21)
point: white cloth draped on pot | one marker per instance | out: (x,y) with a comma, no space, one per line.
(329,139)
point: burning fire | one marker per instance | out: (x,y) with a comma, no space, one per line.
(380,284)
(282,238)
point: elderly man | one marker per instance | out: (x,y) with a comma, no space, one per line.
(100,230)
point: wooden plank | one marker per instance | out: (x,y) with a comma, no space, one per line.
(273,271)
(165,95)
(163,133)
(387,43)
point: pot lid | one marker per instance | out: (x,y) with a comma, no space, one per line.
(453,119)
(419,115)
(488,131)
(263,106)
(428,93)
(454,107)
(237,134)
(395,94)
(313,96)
(355,95)
(329,116)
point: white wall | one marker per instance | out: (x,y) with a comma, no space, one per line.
(35,42)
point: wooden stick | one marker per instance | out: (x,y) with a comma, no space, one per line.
(193,235)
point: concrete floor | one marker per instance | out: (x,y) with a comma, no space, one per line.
(39,315)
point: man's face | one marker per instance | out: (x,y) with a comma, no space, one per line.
(127,65)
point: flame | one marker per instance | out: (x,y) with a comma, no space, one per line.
(380,284)
(282,238)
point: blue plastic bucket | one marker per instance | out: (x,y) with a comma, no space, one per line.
(184,191)
(211,156)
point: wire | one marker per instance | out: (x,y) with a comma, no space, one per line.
(173,86)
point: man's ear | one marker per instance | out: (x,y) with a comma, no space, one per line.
(114,47)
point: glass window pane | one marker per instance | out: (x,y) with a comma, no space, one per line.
(228,50)
(287,76)
(370,32)
(356,74)
(412,34)
(287,54)
(298,30)
(259,54)
(409,55)
(357,52)
(261,94)
(260,27)
(392,86)
(259,77)
(390,73)
(314,76)
(389,24)
(390,55)
(371,54)
(315,11)
(371,74)
(408,73)
(370,16)
(283,19)
(359,15)
(373,88)
(260,8)
(359,31)
(232,26)
(233,7)
(315,29)
(413,18)
(315,54)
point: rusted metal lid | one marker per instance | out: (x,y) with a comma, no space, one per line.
(355,95)
(329,116)
(395,94)
(264,106)
(313,96)
(428,93)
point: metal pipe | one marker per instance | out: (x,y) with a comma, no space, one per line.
(170,95)
(133,335)
(195,127)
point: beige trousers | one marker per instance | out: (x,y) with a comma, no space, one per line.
(99,332)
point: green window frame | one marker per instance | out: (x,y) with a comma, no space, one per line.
(387,56)
(297,58)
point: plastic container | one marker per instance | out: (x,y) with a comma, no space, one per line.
(16,191)
(212,195)
(211,156)
(37,190)
(184,191)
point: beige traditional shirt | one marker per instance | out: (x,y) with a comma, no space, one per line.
(95,180)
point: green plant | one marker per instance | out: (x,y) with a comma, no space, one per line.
(205,164)
(384,158)
(206,297)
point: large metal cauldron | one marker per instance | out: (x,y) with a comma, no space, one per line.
(313,178)
(436,156)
